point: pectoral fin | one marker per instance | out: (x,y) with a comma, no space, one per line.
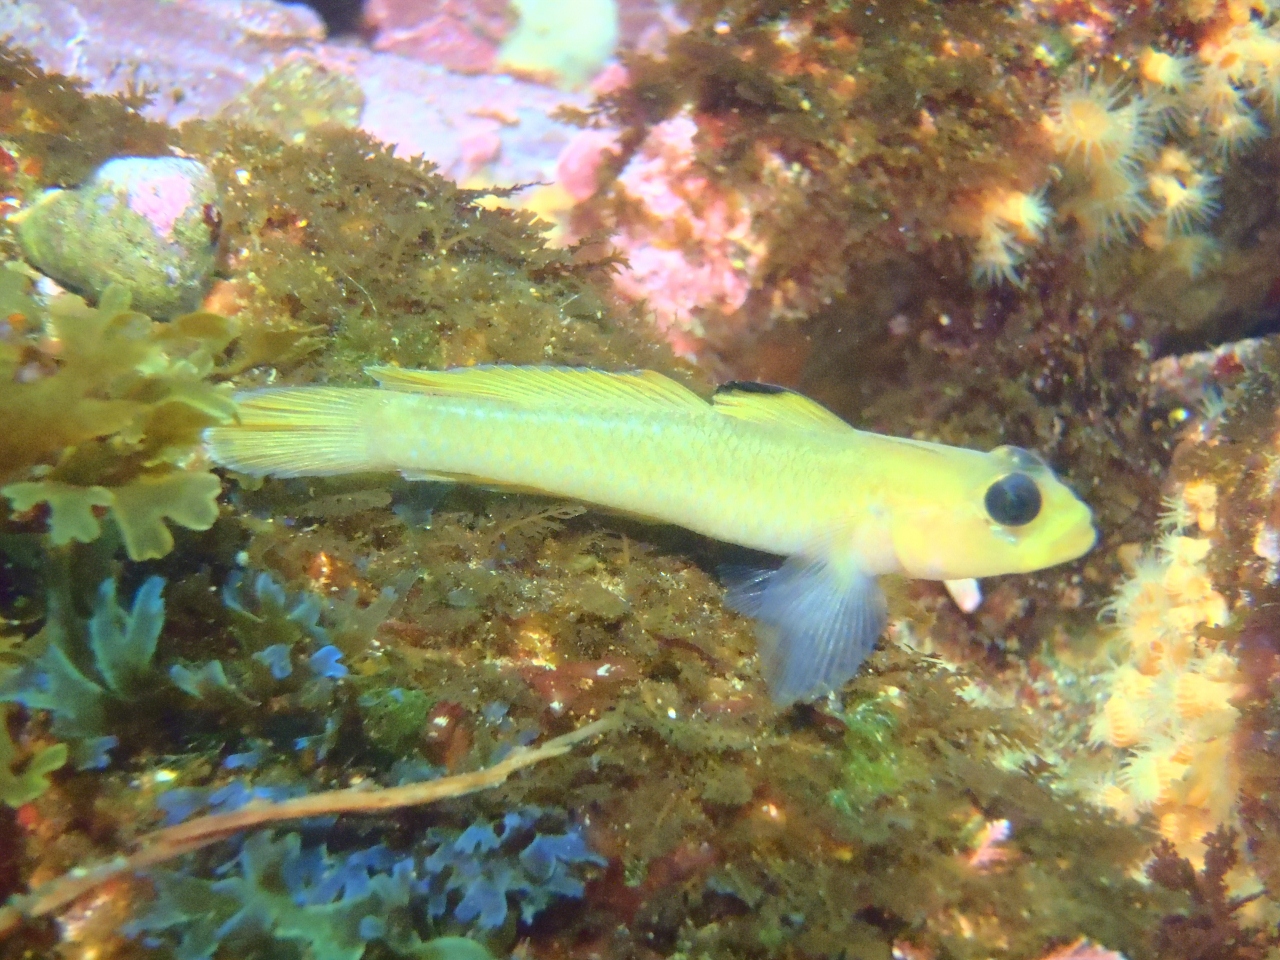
(815,624)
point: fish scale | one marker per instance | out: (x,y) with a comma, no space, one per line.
(683,469)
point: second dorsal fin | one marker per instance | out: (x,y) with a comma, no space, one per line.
(766,403)
(530,386)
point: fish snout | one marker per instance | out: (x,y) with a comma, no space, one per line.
(1077,536)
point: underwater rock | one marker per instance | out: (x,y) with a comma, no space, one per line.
(566,43)
(148,223)
(295,98)
(201,57)
(459,36)
(206,50)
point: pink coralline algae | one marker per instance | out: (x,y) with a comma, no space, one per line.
(161,193)
(578,167)
(479,149)
(462,36)
(691,249)
(1083,949)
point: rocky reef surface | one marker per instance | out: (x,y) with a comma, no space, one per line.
(365,717)
(200,56)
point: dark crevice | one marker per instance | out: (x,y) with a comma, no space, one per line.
(1263,322)
(340,16)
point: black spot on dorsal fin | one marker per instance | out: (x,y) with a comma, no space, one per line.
(769,403)
(750,386)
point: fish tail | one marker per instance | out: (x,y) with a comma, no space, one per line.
(297,432)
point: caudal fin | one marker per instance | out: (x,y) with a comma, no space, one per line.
(297,432)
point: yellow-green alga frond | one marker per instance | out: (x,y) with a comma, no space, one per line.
(103,409)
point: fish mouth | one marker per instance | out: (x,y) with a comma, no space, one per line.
(1077,538)
(1083,541)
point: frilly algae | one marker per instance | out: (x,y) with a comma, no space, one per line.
(396,264)
(88,691)
(103,410)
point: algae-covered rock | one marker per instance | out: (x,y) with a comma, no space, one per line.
(295,98)
(150,223)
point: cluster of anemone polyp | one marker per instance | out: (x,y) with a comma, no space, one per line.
(1166,715)
(1140,157)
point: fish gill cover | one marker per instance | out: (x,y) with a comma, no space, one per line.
(180,647)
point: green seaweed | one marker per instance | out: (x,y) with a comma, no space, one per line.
(296,97)
(23,778)
(256,909)
(89,674)
(397,264)
(104,410)
(875,767)
(56,134)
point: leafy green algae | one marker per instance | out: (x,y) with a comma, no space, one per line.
(25,777)
(90,674)
(104,409)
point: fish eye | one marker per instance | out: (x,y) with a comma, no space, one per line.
(1013,500)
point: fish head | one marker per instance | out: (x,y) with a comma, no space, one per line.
(983,515)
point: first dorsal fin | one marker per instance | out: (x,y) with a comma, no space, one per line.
(530,386)
(766,403)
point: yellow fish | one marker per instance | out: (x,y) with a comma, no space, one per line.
(758,466)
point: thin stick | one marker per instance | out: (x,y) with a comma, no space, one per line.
(170,842)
